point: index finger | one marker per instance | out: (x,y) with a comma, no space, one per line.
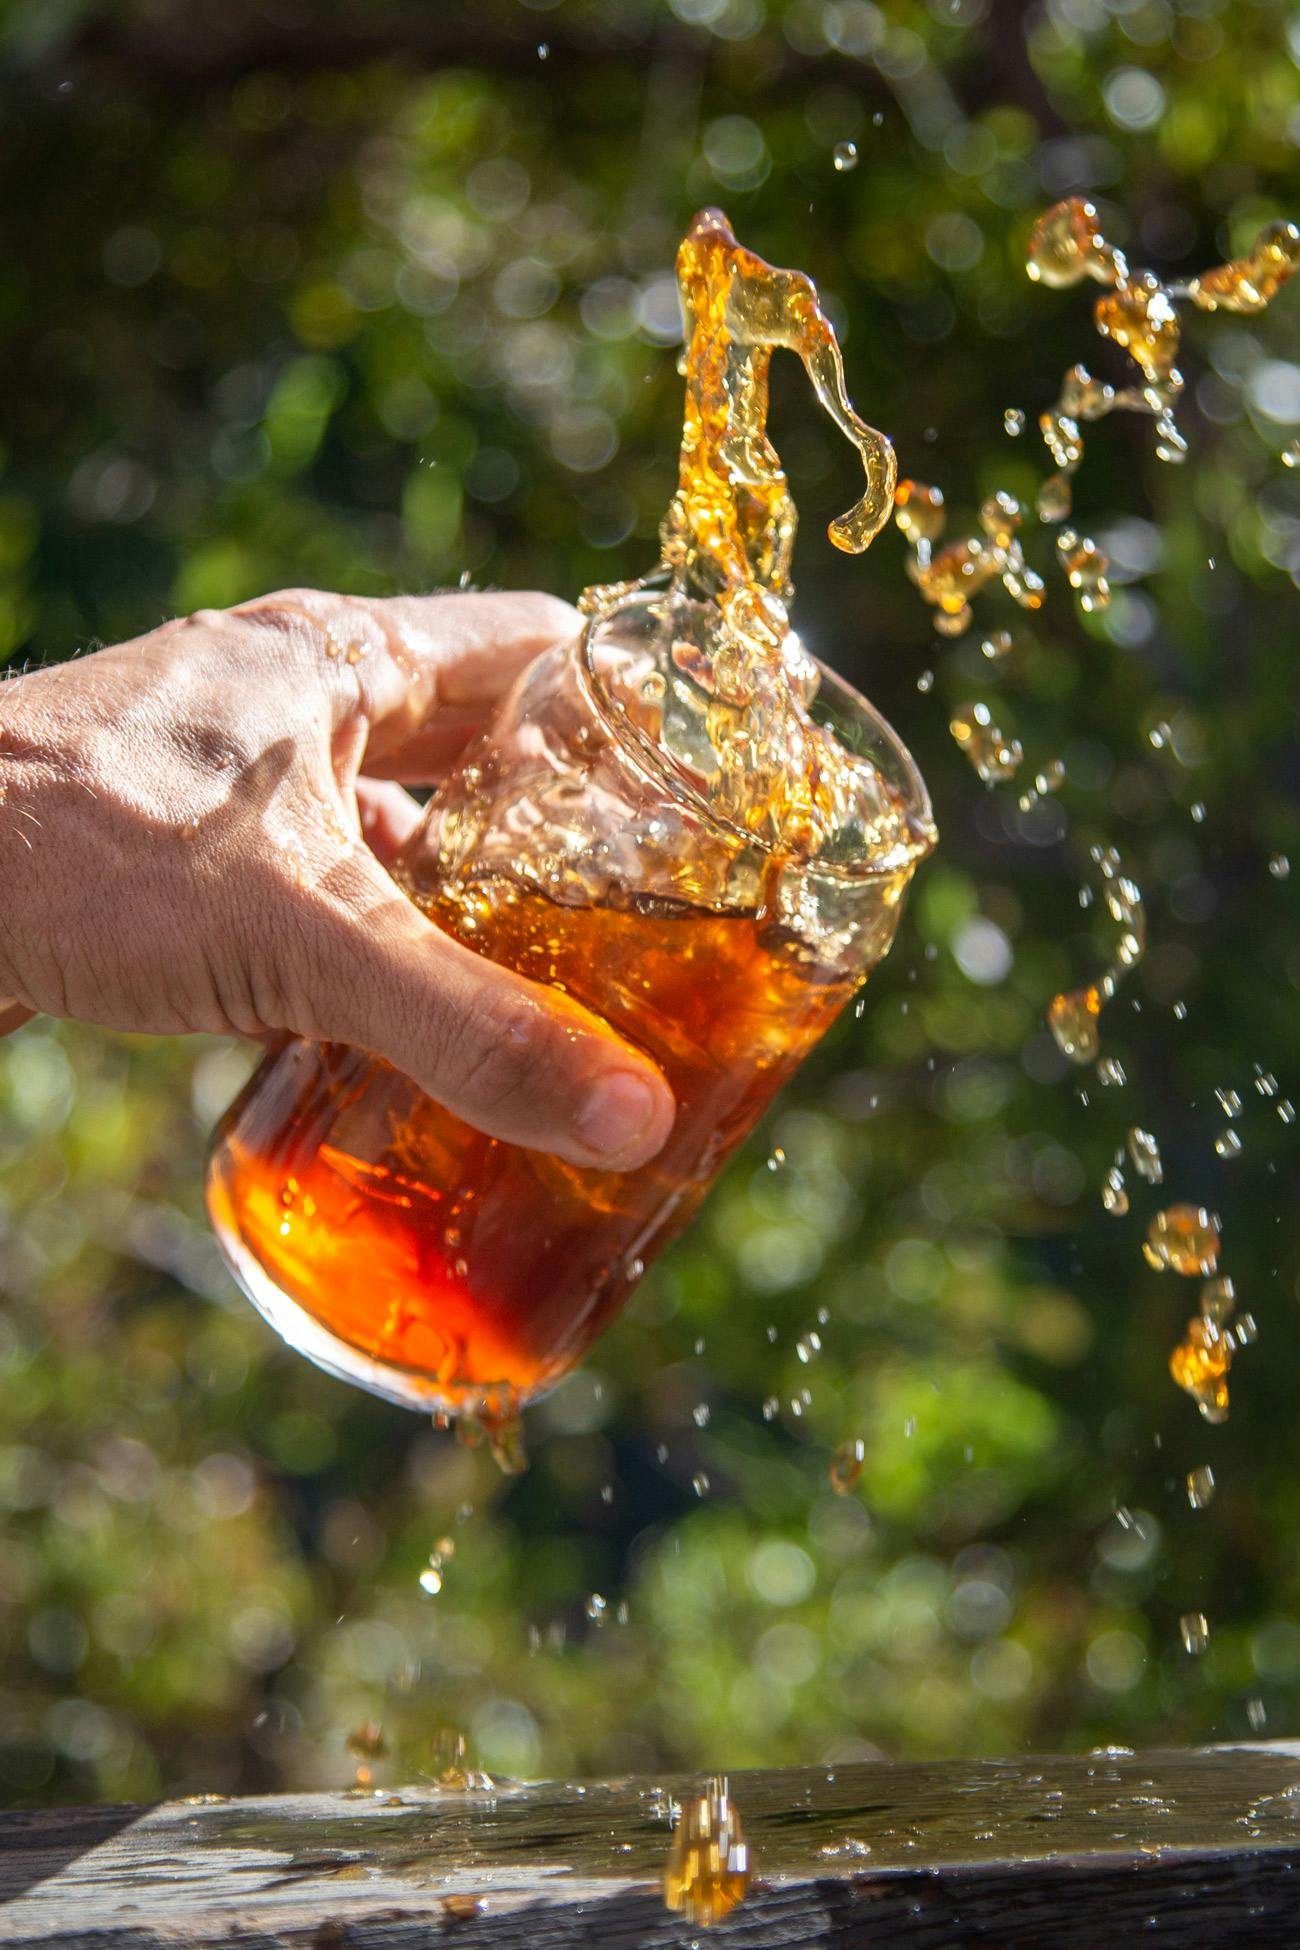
(429,669)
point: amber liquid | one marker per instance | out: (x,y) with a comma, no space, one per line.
(470,1265)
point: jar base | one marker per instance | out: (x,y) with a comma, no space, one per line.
(305,1335)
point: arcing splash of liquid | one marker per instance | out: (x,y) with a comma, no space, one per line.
(728,537)
(1139,313)
(730,527)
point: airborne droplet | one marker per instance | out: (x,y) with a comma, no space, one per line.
(1194,1632)
(1145,1153)
(1183,1239)
(847,1464)
(845,156)
(1072,1019)
(990,751)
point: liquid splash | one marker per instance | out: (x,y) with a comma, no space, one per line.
(707,1873)
(1145,1153)
(994,756)
(366,1744)
(735,707)
(950,578)
(847,1464)
(431,1577)
(1138,312)
(1072,1015)
(1200,1364)
(453,1769)
(492,1416)
(1182,1239)
(1194,1632)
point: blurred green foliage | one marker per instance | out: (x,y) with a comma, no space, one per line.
(373,297)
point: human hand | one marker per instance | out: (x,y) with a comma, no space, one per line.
(188,843)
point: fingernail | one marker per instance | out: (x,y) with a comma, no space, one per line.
(620,1114)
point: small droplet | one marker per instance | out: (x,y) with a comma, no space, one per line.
(1228,1144)
(1054,498)
(1256,1715)
(1013,421)
(925,682)
(1183,1239)
(847,1464)
(1218,1299)
(700,1415)
(543,51)
(700,1484)
(1194,1632)
(771,1409)
(1229,1102)
(1291,455)
(996,646)
(845,156)
(1072,1019)
(1265,1082)
(1245,1330)
(366,1743)
(1180,1012)
(777,1158)
(595,1608)
(1198,811)
(1279,866)
(1114,1195)
(808,1347)
(1145,1153)
(994,756)
(1110,1072)
(1200,1487)
(1286,1111)
(1200,1364)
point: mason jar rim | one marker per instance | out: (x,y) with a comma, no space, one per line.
(630,738)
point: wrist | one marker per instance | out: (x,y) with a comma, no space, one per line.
(37,766)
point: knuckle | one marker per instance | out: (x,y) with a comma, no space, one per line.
(506,1057)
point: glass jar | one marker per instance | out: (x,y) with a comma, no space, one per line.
(405,1251)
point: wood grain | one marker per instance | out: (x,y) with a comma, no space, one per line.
(1088,1852)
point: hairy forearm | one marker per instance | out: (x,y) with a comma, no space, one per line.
(31,765)
(183,847)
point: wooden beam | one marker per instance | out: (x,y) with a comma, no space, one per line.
(1088,1852)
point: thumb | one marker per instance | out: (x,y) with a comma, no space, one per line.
(513,1058)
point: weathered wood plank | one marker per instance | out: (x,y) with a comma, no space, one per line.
(1194,1848)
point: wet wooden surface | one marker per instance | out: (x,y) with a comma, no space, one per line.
(1090,1852)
